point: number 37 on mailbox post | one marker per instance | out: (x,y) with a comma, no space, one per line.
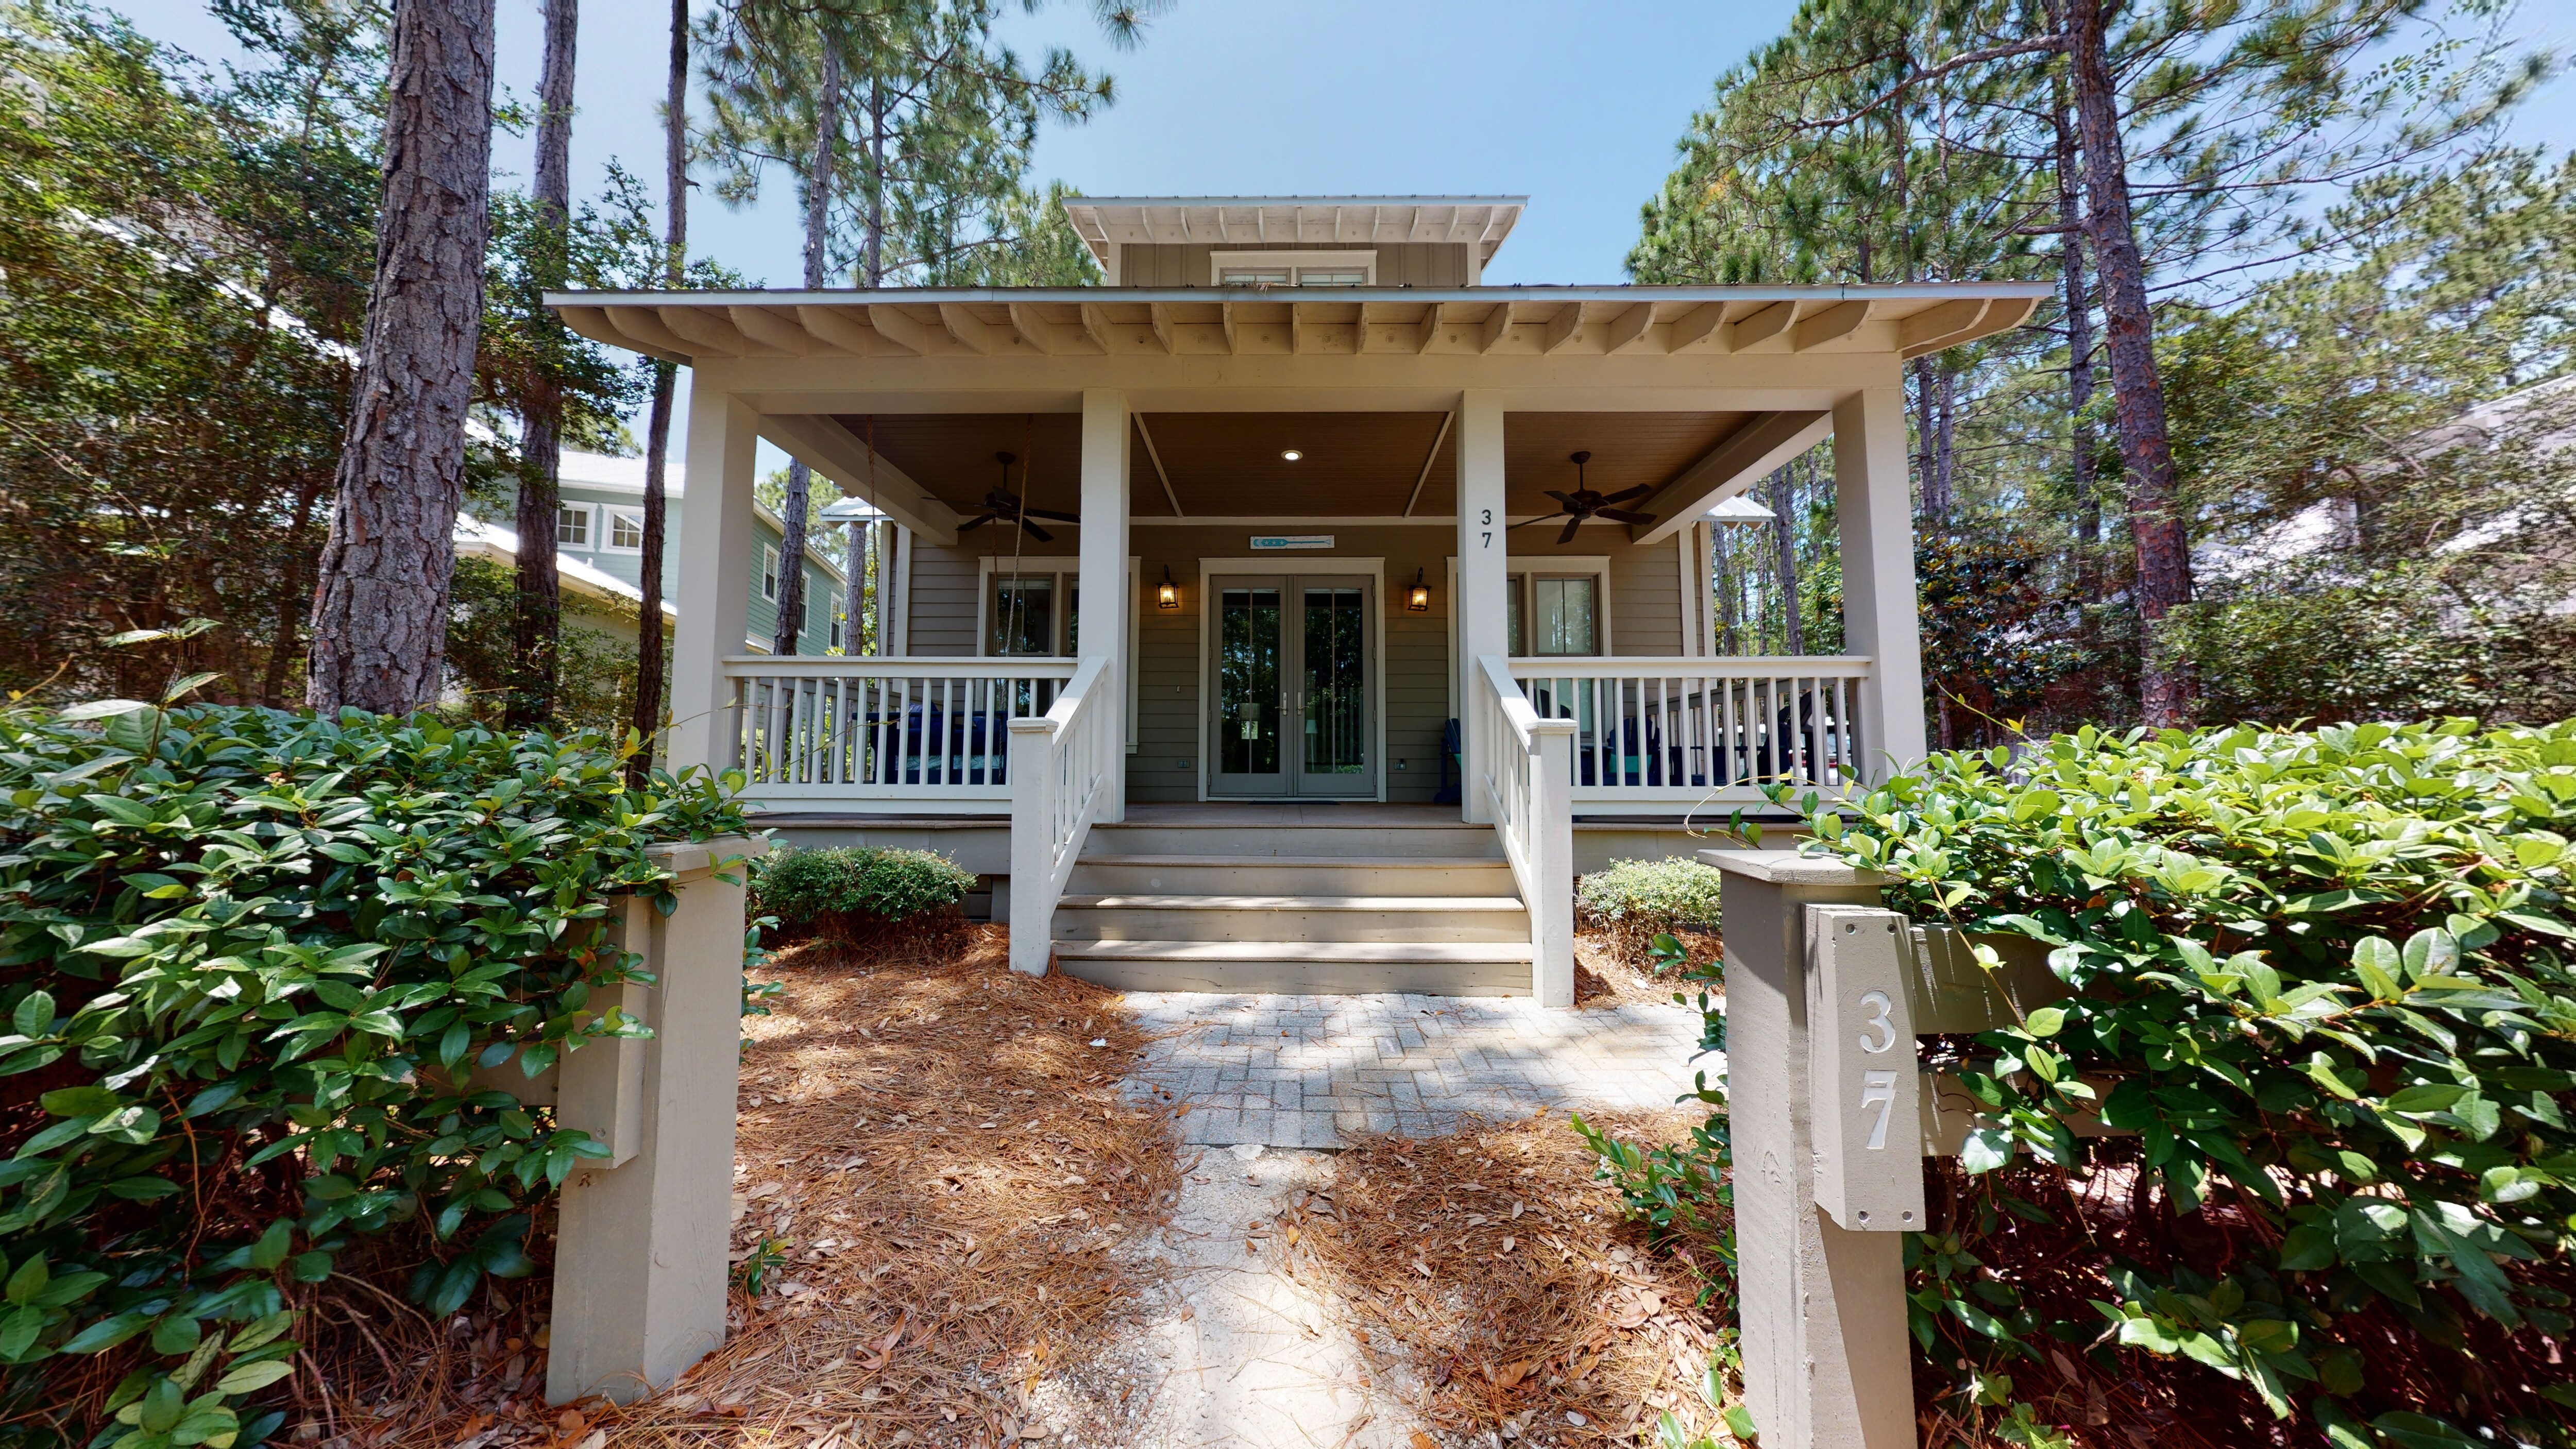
(1862,1071)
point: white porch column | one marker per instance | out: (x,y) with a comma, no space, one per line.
(715,553)
(1875,507)
(1484,625)
(1105,604)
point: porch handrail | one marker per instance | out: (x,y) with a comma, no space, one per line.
(1060,768)
(1697,729)
(925,732)
(1527,778)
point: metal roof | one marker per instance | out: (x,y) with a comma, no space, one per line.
(1106,222)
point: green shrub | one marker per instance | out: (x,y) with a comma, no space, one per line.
(1633,901)
(843,891)
(2323,978)
(241,953)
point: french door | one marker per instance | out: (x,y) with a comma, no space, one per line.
(1290,712)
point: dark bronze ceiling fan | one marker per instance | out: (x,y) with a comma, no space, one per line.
(1001,507)
(1583,503)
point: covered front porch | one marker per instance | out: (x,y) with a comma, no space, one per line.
(1344,572)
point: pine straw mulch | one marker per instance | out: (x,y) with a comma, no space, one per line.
(1607,975)
(937,1148)
(1491,1267)
(934,1152)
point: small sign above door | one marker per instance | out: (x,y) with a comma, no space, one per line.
(1265,542)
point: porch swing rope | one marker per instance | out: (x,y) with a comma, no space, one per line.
(1020,541)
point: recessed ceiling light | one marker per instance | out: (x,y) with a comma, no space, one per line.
(1290,454)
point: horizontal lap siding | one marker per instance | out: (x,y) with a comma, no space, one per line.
(1171,678)
(1646,600)
(942,595)
(1644,606)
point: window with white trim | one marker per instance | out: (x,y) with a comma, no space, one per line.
(625,530)
(1293,269)
(1040,627)
(769,573)
(572,525)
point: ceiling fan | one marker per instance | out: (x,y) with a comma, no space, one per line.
(1001,507)
(1583,503)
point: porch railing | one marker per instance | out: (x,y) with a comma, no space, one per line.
(1661,731)
(1527,765)
(1061,769)
(927,732)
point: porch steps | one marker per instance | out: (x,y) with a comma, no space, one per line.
(1428,908)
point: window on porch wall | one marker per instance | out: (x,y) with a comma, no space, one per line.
(1023,616)
(1567,610)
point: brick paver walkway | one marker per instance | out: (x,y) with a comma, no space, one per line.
(1305,1071)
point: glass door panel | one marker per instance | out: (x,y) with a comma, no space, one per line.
(1333,693)
(1250,665)
(1290,707)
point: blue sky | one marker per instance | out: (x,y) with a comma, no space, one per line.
(1576,106)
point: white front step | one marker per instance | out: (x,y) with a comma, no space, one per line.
(1102,872)
(1323,968)
(1480,919)
(1295,908)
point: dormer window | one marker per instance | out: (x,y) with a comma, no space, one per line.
(1293,269)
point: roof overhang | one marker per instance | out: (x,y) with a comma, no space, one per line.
(1107,222)
(1909,320)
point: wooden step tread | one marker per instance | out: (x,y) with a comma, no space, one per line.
(1424,953)
(1290,903)
(1373,862)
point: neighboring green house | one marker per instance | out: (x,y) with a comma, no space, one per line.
(600,540)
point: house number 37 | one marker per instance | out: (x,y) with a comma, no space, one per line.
(1877,1088)
(1489,529)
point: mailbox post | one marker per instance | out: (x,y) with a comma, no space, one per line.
(1833,1117)
(1827,1361)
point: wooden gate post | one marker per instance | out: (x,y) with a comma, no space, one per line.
(1827,1361)
(641,1238)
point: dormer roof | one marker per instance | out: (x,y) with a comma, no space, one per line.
(1107,222)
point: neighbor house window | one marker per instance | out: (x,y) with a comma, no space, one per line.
(572,526)
(769,573)
(625,531)
(838,622)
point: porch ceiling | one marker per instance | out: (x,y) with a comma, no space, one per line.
(1355,464)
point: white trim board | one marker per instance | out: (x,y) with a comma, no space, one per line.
(1325,565)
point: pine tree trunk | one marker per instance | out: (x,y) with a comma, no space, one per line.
(657,437)
(1784,504)
(2128,326)
(537,616)
(818,235)
(380,607)
(1945,438)
(2079,350)
(872,265)
(1924,501)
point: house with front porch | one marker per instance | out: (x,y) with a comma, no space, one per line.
(1398,583)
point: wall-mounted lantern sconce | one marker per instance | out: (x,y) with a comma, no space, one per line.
(1169,594)
(1418,600)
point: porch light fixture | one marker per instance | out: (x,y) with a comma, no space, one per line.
(1169,594)
(1290,455)
(1418,598)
